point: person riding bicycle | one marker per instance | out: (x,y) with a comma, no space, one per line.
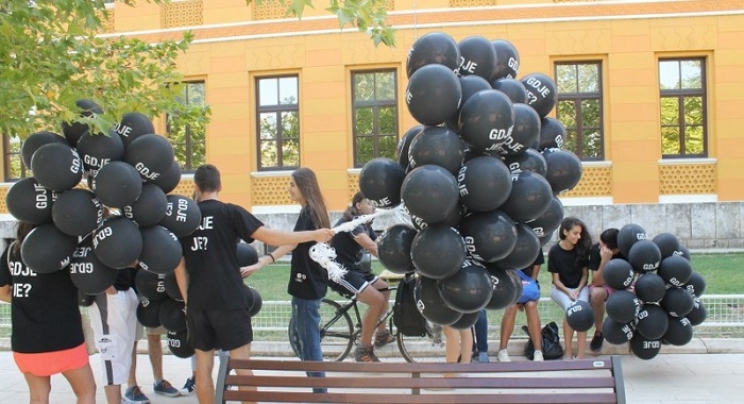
(348,246)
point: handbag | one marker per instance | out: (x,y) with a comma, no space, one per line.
(551,342)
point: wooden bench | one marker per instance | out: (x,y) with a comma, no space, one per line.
(580,381)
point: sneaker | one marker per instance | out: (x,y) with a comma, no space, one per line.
(483,357)
(189,387)
(134,395)
(382,339)
(596,344)
(166,389)
(537,356)
(362,354)
(503,356)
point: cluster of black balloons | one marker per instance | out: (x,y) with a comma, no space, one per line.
(657,298)
(162,303)
(121,218)
(479,177)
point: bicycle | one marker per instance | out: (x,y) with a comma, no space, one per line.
(339,334)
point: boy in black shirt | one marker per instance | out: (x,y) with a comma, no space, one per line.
(210,280)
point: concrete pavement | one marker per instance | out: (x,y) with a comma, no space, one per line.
(677,375)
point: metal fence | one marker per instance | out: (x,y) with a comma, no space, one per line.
(725,318)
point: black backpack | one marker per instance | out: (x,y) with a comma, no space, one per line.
(551,342)
(406,316)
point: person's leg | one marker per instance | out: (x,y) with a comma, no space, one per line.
(481,333)
(533,324)
(466,345)
(597,297)
(306,333)
(190,385)
(376,308)
(39,388)
(581,336)
(243,352)
(155,352)
(451,344)
(132,379)
(382,287)
(83,384)
(507,328)
(204,383)
(564,301)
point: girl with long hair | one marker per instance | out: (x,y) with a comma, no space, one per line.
(567,261)
(47,333)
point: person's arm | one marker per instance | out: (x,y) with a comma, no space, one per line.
(5,293)
(584,278)
(535,271)
(267,259)
(281,238)
(559,285)
(182,279)
(367,243)
(598,275)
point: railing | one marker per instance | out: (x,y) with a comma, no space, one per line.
(725,318)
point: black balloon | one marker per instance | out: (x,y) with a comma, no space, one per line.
(429,192)
(564,170)
(98,149)
(56,166)
(74,130)
(151,155)
(470,85)
(529,198)
(525,133)
(525,251)
(257,301)
(161,250)
(541,92)
(580,315)
(505,291)
(652,321)
(434,47)
(489,236)
(650,288)
(88,273)
(150,285)
(148,312)
(487,120)
(484,183)
(430,303)
(117,184)
(696,284)
(394,248)
(678,302)
(549,221)
(645,348)
(182,215)
(29,202)
(34,141)
(617,333)
(477,57)
(404,144)
(529,160)
(466,321)
(698,314)
(436,145)
(45,249)
(380,181)
(623,306)
(247,254)
(469,290)
(178,344)
(171,287)
(668,243)
(507,59)
(618,273)
(433,94)
(77,212)
(172,315)
(628,235)
(132,126)
(514,89)
(118,243)
(552,133)
(679,331)
(438,251)
(644,256)
(149,209)
(675,270)
(168,181)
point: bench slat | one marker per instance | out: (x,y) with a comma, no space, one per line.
(370,381)
(433,398)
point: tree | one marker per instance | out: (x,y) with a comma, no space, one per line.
(51,55)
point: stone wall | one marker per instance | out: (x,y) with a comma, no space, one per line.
(700,226)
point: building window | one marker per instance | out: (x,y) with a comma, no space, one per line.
(13,164)
(375,109)
(579,108)
(683,108)
(187,137)
(278,123)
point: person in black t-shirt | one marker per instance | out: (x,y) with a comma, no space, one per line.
(47,331)
(356,282)
(308,280)
(567,261)
(600,254)
(209,277)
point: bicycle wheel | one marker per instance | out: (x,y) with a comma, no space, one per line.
(418,349)
(336,331)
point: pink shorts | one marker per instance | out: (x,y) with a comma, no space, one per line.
(51,363)
(609,290)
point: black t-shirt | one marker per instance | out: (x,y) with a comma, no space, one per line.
(211,255)
(595,258)
(44,310)
(538,261)
(307,279)
(565,264)
(347,249)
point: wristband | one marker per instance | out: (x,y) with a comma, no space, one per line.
(273,260)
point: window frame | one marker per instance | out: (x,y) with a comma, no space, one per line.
(576,98)
(680,94)
(376,105)
(188,167)
(277,110)
(25,173)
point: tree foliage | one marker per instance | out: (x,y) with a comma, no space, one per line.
(52,54)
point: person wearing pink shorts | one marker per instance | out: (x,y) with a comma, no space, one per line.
(600,254)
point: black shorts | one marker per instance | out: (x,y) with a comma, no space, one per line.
(353,282)
(218,329)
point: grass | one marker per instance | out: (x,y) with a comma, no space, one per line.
(722,274)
